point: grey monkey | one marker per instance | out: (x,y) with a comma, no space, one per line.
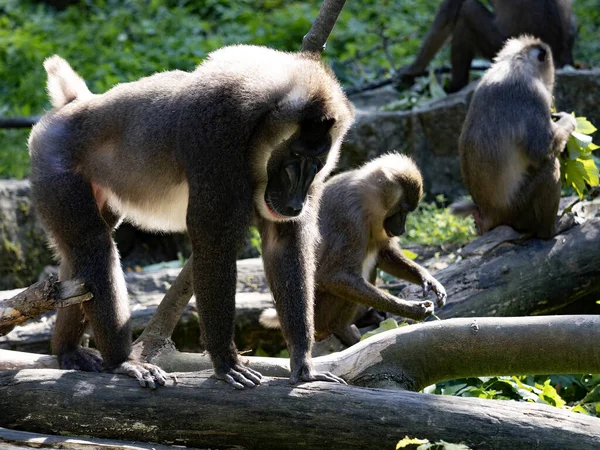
(361,214)
(250,134)
(509,142)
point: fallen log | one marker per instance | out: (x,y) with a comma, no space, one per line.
(504,274)
(200,411)
(417,356)
(38,299)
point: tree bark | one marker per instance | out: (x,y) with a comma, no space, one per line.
(39,298)
(200,411)
(502,274)
(417,356)
(316,38)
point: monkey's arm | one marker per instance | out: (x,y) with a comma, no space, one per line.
(288,256)
(546,138)
(356,289)
(562,129)
(393,261)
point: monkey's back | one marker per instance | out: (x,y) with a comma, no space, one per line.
(505,107)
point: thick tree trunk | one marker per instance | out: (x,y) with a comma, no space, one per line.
(203,412)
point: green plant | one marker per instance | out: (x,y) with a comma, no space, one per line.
(432,225)
(577,166)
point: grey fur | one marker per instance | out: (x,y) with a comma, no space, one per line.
(195,151)
(509,142)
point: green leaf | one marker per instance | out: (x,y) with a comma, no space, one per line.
(583,140)
(574,175)
(410,441)
(581,409)
(584,126)
(593,396)
(386,325)
(435,89)
(573,148)
(550,396)
(410,255)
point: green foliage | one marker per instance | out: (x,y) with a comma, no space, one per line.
(431,225)
(424,444)
(385,325)
(577,165)
(579,393)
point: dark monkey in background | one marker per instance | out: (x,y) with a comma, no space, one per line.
(509,143)
(250,134)
(475,30)
(361,214)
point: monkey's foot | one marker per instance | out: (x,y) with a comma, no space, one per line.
(82,358)
(147,374)
(239,376)
(430,284)
(306,373)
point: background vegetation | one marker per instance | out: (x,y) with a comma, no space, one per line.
(110,41)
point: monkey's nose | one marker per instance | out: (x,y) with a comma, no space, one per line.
(293,207)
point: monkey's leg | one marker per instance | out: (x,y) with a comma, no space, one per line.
(356,289)
(85,244)
(68,330)
(540,200)
(216,237)
(391,260)
(336,315)
(438,33)
(288,255)
(475,32)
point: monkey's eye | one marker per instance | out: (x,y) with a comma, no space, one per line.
(541,55)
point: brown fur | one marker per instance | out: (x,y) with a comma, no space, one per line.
(477,31)
(354,242)
(205,152)
(509,143)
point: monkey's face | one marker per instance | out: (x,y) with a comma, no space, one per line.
(293,167)
(395,224)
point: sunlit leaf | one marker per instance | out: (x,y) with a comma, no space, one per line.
(385,325)
(410,441)
(409,254)
(583,140)
(584,126)
(550,396)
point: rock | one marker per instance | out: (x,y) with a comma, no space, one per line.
(23,248)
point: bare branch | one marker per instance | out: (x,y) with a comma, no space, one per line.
(39,298)
(317,36)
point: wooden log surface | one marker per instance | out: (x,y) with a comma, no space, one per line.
(203,412)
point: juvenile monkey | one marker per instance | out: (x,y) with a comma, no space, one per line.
(250,134)
(509,142)
(361,214)
(475,30)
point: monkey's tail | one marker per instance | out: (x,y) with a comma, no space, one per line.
(64,85)
(269,318)
(463,208)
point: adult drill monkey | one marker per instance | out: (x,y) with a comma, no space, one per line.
(251,133)
(509,143)
(361,214)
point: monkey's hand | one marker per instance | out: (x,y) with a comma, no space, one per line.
(429,284)
(238,375)
(305,372)
(565,120)
(147,374)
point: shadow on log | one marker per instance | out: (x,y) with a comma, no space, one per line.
(203,412)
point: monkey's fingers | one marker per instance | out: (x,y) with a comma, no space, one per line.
(240,380)
(307,374)
(159,375)
(145,373)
